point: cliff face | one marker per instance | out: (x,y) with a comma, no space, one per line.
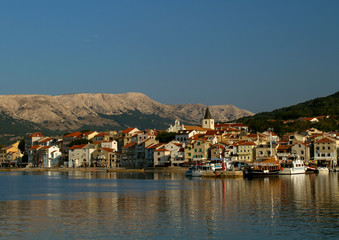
(73,111)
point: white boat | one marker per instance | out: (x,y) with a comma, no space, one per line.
(193,172)
(297,167)
(323,170)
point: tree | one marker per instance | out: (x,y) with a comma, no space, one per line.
(165,137)
(22,145)
(80,141)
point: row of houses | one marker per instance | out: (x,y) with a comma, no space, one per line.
(134,148)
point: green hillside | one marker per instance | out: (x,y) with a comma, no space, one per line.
(328,106)
(13,129)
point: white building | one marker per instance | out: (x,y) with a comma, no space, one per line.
(177,127)
(50,156)
(80,155)
(111,144)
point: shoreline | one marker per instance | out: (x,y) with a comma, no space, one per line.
(97,169)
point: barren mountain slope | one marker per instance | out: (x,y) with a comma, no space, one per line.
(72,111)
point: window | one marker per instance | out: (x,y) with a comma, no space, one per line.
(195,150)
(200,150)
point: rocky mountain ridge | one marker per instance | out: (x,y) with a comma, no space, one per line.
(74,111)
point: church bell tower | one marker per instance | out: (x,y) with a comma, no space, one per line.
(208,121)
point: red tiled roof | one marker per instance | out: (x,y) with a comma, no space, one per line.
(36,134)
(45,140)
(101,134)
(73,134)
(325,140)
(284,147)
(107,149)
(161,150)
(127,130)
(129,145)
(87,133)
(34,147)
(77,146)
(46,147)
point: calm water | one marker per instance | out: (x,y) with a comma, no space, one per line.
(86,205)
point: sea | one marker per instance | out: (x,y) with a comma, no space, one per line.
(103,205)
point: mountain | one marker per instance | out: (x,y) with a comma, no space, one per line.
(102,112)
(328,106)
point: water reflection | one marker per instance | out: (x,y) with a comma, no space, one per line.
(154,205)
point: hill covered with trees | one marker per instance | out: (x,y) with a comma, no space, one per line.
(285,119)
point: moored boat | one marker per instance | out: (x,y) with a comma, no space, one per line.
(193,171)
(297,167)
(322,169)
(268,167)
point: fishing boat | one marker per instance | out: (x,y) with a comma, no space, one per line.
(297,167)
(193,171)
(265,167)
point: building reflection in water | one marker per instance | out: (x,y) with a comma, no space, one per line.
(152,204)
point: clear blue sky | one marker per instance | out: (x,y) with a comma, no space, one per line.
(256,55)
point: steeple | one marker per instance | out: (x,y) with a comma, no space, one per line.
(207,114)
(208,121)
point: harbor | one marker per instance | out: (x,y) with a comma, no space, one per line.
(151,205)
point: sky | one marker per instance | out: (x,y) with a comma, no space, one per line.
(256,55)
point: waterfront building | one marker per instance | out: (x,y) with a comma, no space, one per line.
(81,155)
(30,140)
(111,144)
(266,150)
(217,151)
(67,139)
(284,153)
(246,151)
(49,156)
(162,157)
(33,155)
(10,156)
(128,155)
(149,153)
(326,152)
(302,151)
(104,157)
(140,152)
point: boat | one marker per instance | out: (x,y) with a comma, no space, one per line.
(311,169)
(265,167)
(322,169)
(297,167)
(193,171)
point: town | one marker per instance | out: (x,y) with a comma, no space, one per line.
(186,145)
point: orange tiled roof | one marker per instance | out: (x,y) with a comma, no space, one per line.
(36,134)
(129,145)
(325,140)
(73,134)
(101,134)
(127,130)
(34,147)
(77,146)
(246,143)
